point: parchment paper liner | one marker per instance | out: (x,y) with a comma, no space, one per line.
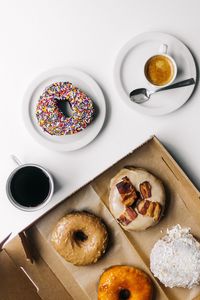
(120,251)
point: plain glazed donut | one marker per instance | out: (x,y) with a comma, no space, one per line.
(80,237)
(124,283)
(52,119)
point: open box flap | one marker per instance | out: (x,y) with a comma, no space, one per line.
(14,283)
(39,274)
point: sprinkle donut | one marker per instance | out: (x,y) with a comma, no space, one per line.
(52,119)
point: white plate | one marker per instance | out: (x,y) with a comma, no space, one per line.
(79,79)
(129,72)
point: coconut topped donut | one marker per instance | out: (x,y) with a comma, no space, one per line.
(137,198)
(52,119)
(175,259)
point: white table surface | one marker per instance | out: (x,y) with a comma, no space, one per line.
(39,34)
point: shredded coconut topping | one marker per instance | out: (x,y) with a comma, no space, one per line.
(175,259)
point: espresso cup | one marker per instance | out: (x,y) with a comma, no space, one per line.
(160,69)
(29,187)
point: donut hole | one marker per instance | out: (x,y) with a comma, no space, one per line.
(65,108)
(79,236)
(124,294)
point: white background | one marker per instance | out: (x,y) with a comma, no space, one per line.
(37,35)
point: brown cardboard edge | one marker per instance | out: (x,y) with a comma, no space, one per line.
(182,179)
(176,165)
(4,241)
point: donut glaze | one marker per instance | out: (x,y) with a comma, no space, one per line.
(124,282)
(52,119)
(136,177)
(80,238)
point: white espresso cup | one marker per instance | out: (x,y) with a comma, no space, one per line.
(160,69)
(29,187)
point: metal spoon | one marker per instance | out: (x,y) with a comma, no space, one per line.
(142,95)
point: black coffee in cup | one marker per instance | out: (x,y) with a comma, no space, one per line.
(30,186)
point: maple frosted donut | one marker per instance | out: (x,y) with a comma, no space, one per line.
(80,238)
(124,283)
(136,199)
(52,119)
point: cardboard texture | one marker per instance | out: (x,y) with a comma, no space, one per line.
(183,207)
(14,283)
(48,286)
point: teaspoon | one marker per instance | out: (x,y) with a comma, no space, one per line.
(142,95)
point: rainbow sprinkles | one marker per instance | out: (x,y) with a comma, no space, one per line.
(52,119)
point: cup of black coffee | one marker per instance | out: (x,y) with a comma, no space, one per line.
(29,187)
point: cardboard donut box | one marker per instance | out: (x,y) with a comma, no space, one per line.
(30,268)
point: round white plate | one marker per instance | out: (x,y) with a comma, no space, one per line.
(129,72)
(79,79)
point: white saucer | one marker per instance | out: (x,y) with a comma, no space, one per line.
(129,72)
(79,79)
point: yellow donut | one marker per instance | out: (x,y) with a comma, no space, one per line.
(124,283)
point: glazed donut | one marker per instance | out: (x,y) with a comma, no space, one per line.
(124,283)
(80,237)
(52,119)
(136,199)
